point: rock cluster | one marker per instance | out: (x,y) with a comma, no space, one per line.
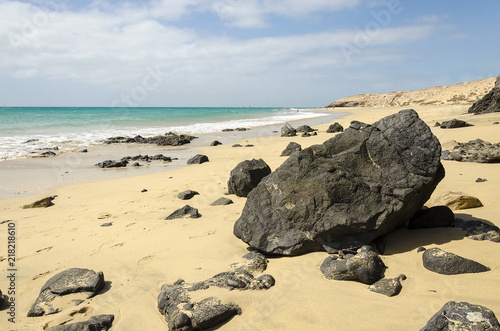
(246,176)
(366,267)
(74,280)
(352,189)
(168,139)
(477,150)
(478,230)
(124,161)
(181,313)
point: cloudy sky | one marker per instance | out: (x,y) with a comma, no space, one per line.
(238,52)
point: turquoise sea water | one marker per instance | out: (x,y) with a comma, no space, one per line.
(72,128)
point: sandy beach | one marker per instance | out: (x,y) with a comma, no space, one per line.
(141,250)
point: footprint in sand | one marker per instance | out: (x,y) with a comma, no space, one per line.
(42,274)
(209,233)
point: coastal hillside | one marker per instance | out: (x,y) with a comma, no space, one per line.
(462,93)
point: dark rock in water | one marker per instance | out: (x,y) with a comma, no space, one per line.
(84,150)
(29,141)
(246,176)
(489,103)
(434,217)
(215,143)
(95,323)
(43,203)
(355,187)
(73,280)
(227,130)
(335,127)
(478,230)
(365,266)
(481,180)
(388,286)
(184,211)
(48,153)
(112,164)
(454,123)
(305,128)
(241,129)
(169,139)
(462,316)
(186,195)
(288,131)
(445,263)
(222,202)
(477,150)
(198,159)
(292,147)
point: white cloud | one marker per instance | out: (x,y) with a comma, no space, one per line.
(255,13)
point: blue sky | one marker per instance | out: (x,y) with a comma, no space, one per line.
(238,52)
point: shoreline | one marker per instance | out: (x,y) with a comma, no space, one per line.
(41,175)
(140,251)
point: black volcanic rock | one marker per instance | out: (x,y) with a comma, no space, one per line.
(366,267)
(438,216)
(95,323)
(72,280)
(355,187)
(477,150)
(462,316)
(198,159)
(246,176)
(184,211)
(187,195)
(454,123)
(489,103)
(292,147)
(445,263)
(288,131)
(335,127)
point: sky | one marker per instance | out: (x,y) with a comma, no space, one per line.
(238,53)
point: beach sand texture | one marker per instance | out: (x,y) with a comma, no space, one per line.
(141,250)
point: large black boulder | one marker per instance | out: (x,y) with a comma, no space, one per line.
(489,103)
(288,131)
(352,189)
(446,263)
(246,176)
(462,316)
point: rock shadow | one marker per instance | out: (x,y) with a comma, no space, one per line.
(403,240)
(106,288)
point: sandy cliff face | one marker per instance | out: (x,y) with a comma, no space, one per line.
(462,93)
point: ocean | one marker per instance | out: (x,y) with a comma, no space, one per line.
(26,131)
